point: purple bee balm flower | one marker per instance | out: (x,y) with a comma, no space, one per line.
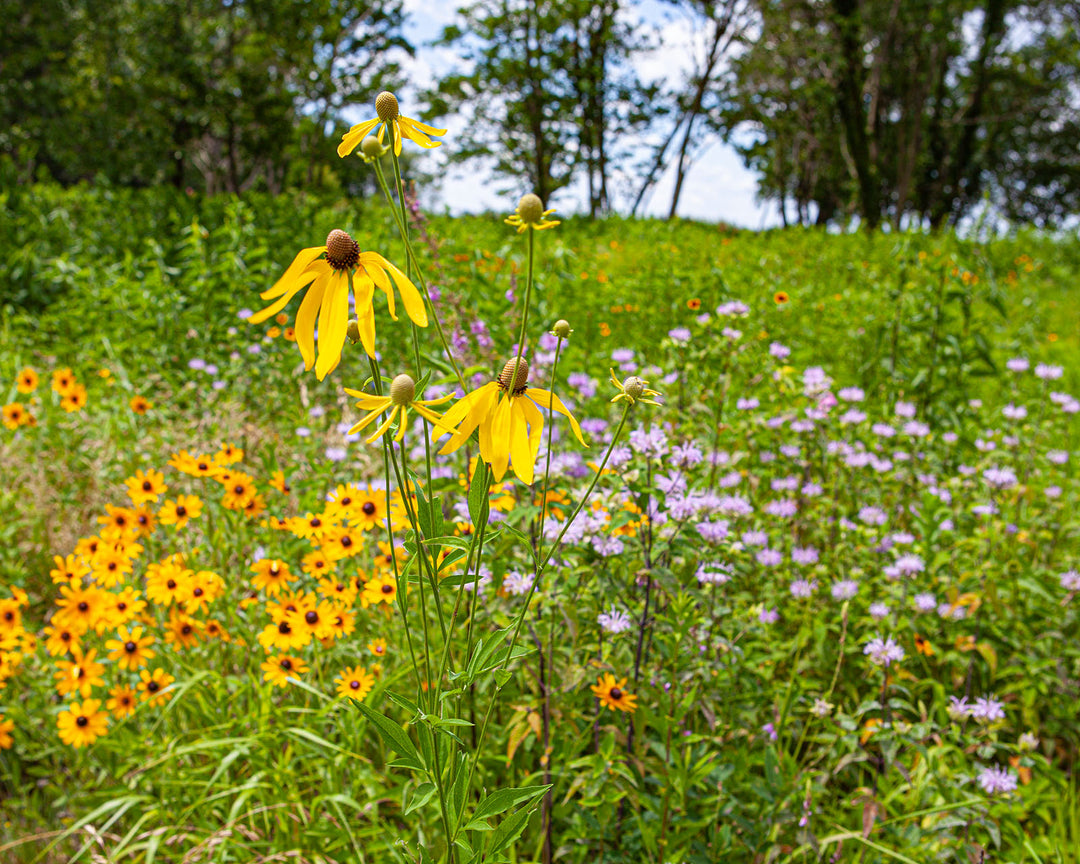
(883,430)
(878,611)
(802,588)
(713,532)
(1018,364)
(652,443)
(607,546)
(785,484)
(987,710)
(959,708)
(1070,580)
(686,454)
(1057,457)
(1048,373)
(516,584)
(769,557)
(872,516)
(337,454)
(734,308)
(815,381)
(915,429)
(622,355)
(997,781)
(909,564)
(784,508)
(1052,492)
(1014,412)
(735,505)
(244,314)
(883,652)
(844,589)
(812,490)
(925,602)
(791,451)
(768,616)
(747,404)
(754,538)
(770,730)
(731,333)
(802,426)
(1000,478)
(805,555)
(583,383)
(852,417)
(713,574)
(851,394)
(779,351)
(614,622)
(905,409)
(732,478)
(680,335)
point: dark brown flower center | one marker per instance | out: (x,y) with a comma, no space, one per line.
(286,664)
(181,510)
(615,693)
(387,589)
(147,485)
(81,721)
(284,628)
(368,508)
(346,541)
(311,616)
(153,686)
(355,685)
(342,252)
(130,647)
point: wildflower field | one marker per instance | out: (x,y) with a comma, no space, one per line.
(620,541)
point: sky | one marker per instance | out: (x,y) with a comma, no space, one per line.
(717,188)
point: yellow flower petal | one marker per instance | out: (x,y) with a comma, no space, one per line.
(305,318)
(521,454)
(543,397)
(333,324)
(354,136)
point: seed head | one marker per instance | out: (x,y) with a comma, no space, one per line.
(402,390)
(342,252)
(634,387)
(514,379)
(386,106)
(531,209)
(562,329)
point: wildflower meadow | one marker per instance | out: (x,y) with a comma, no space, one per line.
(339,531)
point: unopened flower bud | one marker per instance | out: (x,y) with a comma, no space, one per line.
(371,148)
(562,329)
(353,331)
(402,390)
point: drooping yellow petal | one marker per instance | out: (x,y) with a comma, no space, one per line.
(369,418)
(498,443)
(521,455)
(470,411)
(305,318)
(384,426)
(354,136)
(431,416)
(373,264)
(299,264)
(545,397)
(410,296)
(333,323)
(363,289)
(423,127)
(536,425)
(409,129)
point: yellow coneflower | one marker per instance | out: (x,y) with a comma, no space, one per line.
(82,724)
(328,298)
(396,405)
(633,390)
(508,414)
(612,694)
(530,213)
(388,114)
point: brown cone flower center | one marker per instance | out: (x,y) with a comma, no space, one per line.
(342,252)
(386,106)
(515,377)
(531,209)
(402,390)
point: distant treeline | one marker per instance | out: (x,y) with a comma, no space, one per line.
(884,110)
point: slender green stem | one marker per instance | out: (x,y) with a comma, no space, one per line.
(547,464)
(525,303)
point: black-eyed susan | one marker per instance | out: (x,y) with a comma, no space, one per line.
(342,591)
(80,609)
(379,589)
(205,588)
(280,636)
(310,526)
(339,542)
(79,675)
(377,647)
(342,623)
(612,694)
(239,491)
(68,570)
(278,670)
(255,507)
(354,683)
(328,298)
(117,522)
(6,727)
(74,399)
(508,414)
(139,405)
(83,723)
(146,520)
(530,213)
(122,701)
(780,298)
(177,513)
(228,454)
(343,501)
(317,563)
(182,630)
(632,390)
(59,640)
(26,382)
(153,686)
(396,405)
(312,619)
(130,649)
(146,486)
(123,607)
(277,481)
(271,575)
(167,582)
(213,629)
(388,114)
(62,380)
(693,304)
(370,510)
(14,415)
(110,566)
